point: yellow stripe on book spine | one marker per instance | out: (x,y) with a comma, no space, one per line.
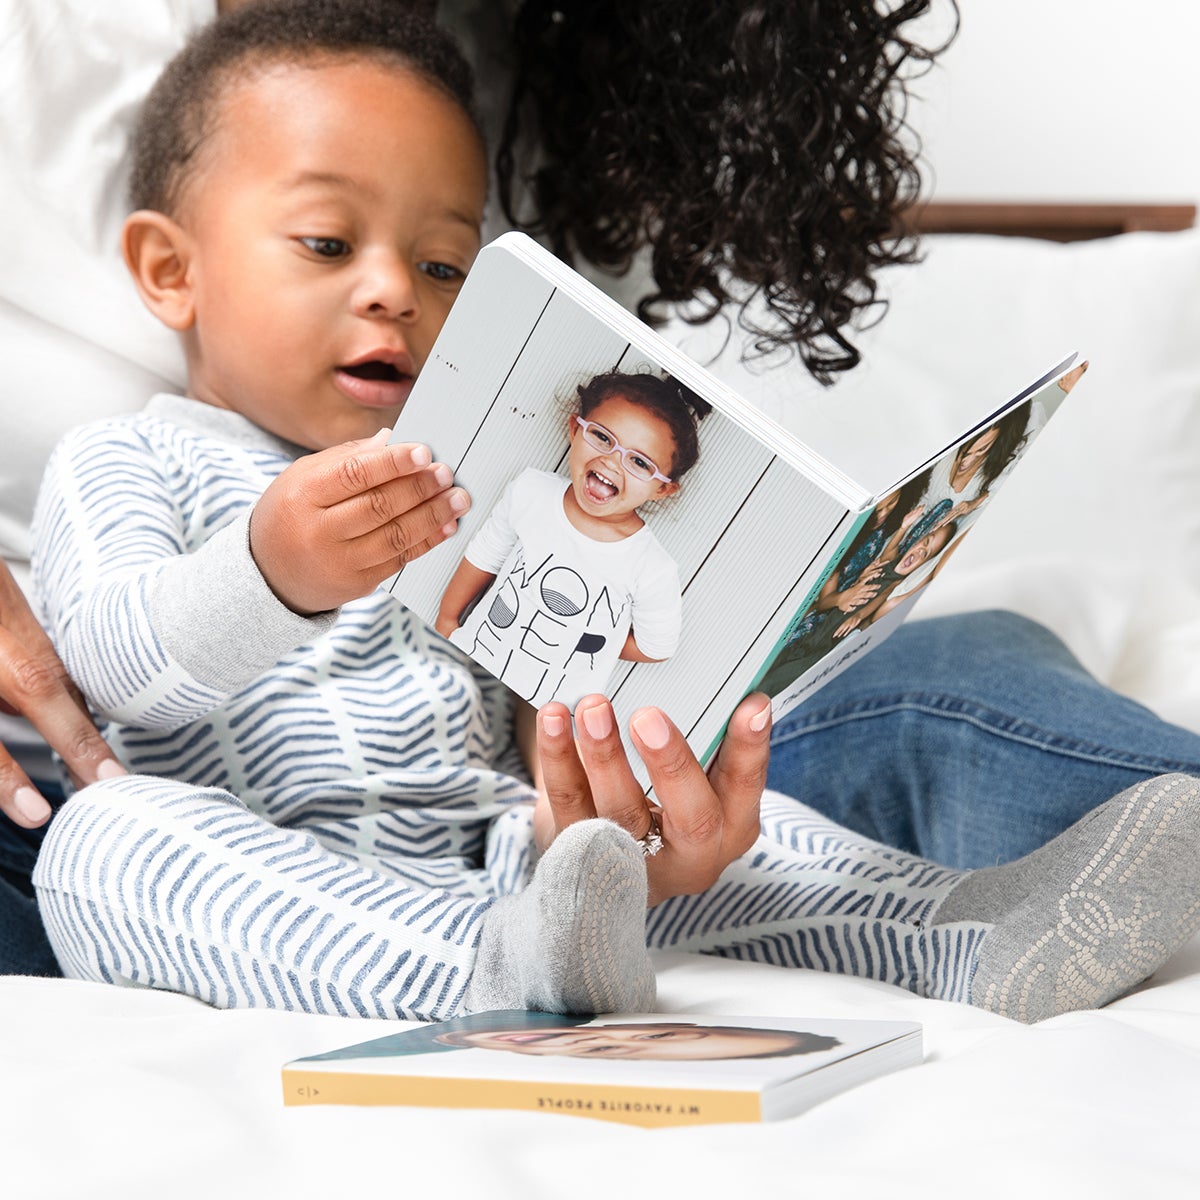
(651,1107)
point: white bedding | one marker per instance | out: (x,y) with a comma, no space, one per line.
(111,1092)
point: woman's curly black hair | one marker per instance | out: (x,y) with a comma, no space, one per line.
(761,141)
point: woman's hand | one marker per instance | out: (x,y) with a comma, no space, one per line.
(336,523)
(706,820)
(34,684)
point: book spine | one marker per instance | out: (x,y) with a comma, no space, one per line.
(648,1107)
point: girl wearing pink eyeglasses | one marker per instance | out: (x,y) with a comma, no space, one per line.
(565,579)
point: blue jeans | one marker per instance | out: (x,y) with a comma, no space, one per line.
(24,949)
(970,740)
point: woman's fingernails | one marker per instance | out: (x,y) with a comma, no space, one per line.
(553,724)
(597,721)
(421,456)
(442,475)
(460,501)
(31,805)
(650,726)
(760,720)
(110,769)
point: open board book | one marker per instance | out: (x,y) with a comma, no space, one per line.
(590,562)
(651,1070)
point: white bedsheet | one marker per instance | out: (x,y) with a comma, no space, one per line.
(116,1093)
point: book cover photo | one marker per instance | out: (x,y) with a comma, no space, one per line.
(652,1070)
(638,529)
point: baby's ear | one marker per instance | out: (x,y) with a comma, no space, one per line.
(157,253)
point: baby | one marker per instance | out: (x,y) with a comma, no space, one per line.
(309,181)
(325,815)
(605,588)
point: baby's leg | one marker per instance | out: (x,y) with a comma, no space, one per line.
(1073,925)
(811,894)
(159,884)
(575,939)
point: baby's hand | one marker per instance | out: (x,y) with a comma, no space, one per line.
(336,523)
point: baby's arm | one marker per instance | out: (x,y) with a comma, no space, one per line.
(466,584)
(158,622)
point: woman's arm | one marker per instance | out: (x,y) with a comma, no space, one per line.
(35,684)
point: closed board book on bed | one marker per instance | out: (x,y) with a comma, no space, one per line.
(645,1069)
(638,529)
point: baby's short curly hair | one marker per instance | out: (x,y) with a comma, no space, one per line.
(181,110)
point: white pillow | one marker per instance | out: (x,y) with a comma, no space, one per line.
(1116,475)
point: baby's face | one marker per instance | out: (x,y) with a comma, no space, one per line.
(331,221)
(602,485)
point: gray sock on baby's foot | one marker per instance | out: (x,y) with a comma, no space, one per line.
(574,941)
(1093,912)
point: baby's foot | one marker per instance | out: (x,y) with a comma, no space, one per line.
(574,941)
(1091,913)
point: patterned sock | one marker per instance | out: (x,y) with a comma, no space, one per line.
(574,941)
(1093,912)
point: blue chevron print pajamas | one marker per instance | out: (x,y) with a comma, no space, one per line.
(322,808)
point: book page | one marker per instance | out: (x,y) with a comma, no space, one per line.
(696,576)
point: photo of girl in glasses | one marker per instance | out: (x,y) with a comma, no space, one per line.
(565,579)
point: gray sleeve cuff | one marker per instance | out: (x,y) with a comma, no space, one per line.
(218,618)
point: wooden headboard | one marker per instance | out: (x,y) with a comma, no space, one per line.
(1056,222)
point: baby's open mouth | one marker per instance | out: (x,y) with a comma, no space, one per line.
(599,487)
(375,370)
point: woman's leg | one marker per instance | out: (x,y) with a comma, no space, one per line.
(24,949)
(970,740)
(1072,925)
(148,882)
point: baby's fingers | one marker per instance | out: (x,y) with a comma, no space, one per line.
(384,550)
(352,468)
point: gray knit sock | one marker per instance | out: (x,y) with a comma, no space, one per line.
(574,941)
(1093,912)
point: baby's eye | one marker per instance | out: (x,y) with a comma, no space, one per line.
(642,464)
(326,247)
(442,272)
(603,437)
